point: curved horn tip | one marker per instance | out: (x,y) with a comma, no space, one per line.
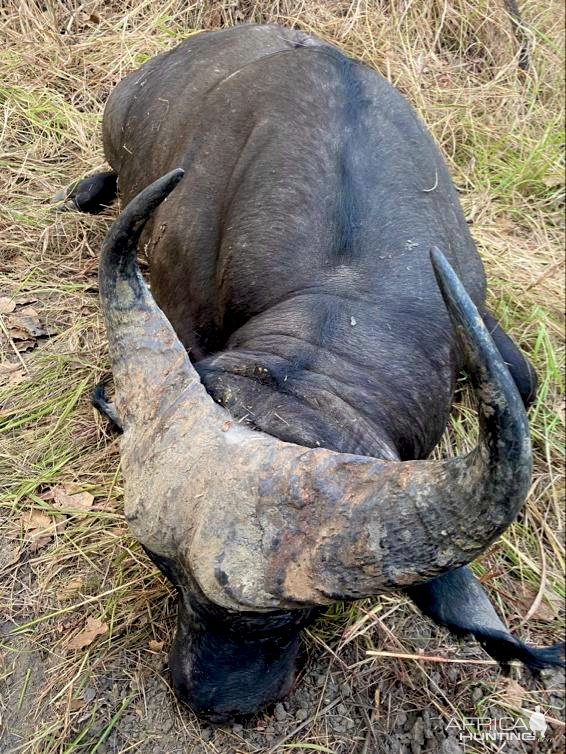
(173,177)
(147,200)
(126,229)
(445,274)
(458,301)
(162,187)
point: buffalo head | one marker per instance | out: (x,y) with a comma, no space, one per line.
(255,532)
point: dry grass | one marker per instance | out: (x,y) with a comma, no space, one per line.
(501,133)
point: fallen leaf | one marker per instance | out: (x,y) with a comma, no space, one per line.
(12,374)
(553,181)
(514,693)
(7,305)
(549,608)
(47,494)
(70,488)
(70,589)
(25,323)
(39,528)
(25,345)
(156,646)
(546,611)
(92,628)
(36,522)
(24,299)
(76,501)
(39,543)
(17,333)
(10,556)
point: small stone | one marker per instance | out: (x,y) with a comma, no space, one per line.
(353,321)
(342,709)
(451,746)
(336,725)
(397,747)
(553,678)
(345,689)
(237,727)
(401,719)
(453,672)
(301,714)
(427,724)
(167,725)
(418,731)
(477,694)
(418,734)
(280,712)
(89,694)
(206,734)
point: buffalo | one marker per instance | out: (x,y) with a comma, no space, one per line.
(315,292)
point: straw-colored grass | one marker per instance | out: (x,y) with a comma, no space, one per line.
(501,131)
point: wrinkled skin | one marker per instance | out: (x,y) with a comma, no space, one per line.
(292,261)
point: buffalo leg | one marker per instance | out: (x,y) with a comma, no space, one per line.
(458,602)
(93,194)
(519,366)
(517,25)
(105,407)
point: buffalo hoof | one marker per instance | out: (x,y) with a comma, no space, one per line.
(92,194)
(104,406)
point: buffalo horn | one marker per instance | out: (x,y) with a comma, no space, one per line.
(259,524)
